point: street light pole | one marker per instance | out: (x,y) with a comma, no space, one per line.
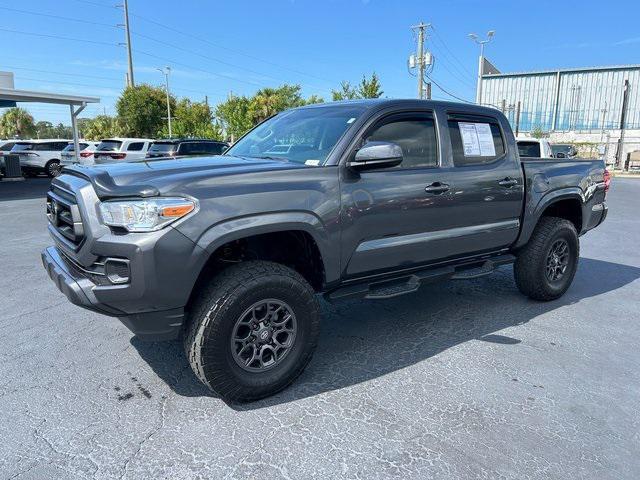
(166,71)
(482,43)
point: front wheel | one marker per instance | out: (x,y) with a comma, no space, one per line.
(545,267)
(252,330)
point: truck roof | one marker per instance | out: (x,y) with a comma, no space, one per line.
(380,103)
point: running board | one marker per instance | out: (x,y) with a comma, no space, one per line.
(408,283)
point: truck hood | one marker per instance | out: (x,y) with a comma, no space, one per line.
(154,177)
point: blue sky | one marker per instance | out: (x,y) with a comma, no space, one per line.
(215,47)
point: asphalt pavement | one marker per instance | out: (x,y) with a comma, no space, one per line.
(465,379)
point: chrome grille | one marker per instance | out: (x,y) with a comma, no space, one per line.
(63,214)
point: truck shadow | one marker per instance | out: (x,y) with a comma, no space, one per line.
(363,340)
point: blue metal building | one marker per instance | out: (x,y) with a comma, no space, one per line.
(580,99)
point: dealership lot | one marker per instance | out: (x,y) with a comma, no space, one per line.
(465,379)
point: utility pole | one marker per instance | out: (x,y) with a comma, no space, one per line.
(166,71)
(482,43)
(125,7)
(620,163)
(421,59)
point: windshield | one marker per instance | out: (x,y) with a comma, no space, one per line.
(109,146)
(305,135)
(162,147)
(568,149)
(529,149)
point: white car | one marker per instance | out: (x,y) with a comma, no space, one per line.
(85,157)
(112,150)
(40,156)
(534,147)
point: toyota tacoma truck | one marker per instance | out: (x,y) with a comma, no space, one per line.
(363,199)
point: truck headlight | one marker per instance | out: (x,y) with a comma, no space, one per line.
(146,215)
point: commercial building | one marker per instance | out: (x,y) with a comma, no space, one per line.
(596,105)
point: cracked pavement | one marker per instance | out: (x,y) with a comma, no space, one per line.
(466,379)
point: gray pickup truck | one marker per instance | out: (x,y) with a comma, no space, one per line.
(364,199)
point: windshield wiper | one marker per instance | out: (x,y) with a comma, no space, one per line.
(267,157)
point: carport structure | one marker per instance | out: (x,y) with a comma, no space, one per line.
(10,96)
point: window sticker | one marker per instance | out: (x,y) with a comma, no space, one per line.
(477,139)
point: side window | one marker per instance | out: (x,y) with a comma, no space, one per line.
(475,140)
(135,147)
(187,148)
(529,149)
(214,148)
(415,135)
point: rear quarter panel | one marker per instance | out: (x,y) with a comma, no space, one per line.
(551,180)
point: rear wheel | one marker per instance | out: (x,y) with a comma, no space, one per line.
(545,268)
(252,330)
(52,168)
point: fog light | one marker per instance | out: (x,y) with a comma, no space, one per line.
(117,270)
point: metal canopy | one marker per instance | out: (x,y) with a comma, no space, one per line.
(76,104)
(44,97)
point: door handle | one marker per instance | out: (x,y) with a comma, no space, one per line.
(508,182)
(437,188)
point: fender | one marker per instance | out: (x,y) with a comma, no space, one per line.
(537,204)
(246,226)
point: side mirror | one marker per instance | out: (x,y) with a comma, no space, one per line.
(560,155)
(224,149)
(374,155)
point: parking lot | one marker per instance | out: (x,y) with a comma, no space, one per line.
(465,379)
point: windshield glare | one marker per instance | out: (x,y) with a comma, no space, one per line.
(303,136)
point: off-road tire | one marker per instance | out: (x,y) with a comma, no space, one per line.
(529,268)
(214,314)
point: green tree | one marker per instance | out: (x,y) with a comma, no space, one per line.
(234,115)
(193,119)
(537,132)
(269,101)
(370,88)
(17,122)
(346,92)
(142,110)
(102,126)
(313,99)
(44,129)
(83,124)
(367,88)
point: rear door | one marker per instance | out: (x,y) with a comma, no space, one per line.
(487,183)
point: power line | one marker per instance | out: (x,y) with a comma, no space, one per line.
(204,40)
(444,44)
(59,37)
(446,92)
(58,17)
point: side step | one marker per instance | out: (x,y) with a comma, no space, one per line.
(408,283)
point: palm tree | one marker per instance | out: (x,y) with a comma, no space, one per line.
(16,122)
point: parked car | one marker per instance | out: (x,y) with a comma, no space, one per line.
(564,150)
(113,150)
(229,252)
(534,148)
(40,156)
(5,148)
(86,150)
(179,147)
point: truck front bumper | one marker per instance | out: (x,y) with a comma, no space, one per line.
(80,289)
